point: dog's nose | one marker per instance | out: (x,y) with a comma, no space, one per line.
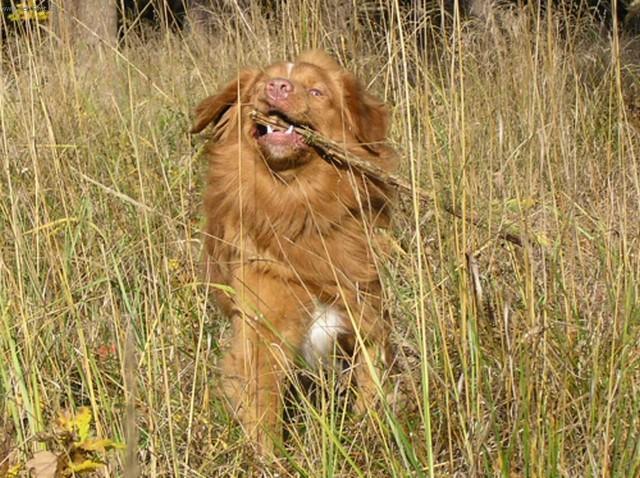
(279,88)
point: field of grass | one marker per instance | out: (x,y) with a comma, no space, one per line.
(512,361)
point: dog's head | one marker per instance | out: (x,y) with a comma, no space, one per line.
(313,91)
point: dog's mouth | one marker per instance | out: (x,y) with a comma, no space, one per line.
(280,136)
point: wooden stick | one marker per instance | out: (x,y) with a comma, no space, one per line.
(339,154)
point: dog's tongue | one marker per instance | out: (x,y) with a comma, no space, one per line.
(281,137)
(288,137)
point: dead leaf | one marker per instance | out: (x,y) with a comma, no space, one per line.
(44,464)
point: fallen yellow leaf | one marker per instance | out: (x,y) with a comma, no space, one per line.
(84,467)
(83,422)
(98,444)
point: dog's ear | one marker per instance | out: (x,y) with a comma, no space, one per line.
(213,108)
(368,117)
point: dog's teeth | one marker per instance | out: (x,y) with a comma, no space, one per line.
(269,129)
(290,130)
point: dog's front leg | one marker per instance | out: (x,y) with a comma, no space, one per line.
(268,328)
(370,365)
(253,373)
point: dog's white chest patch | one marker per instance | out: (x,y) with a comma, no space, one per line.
(327,323)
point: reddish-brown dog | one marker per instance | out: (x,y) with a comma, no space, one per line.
(292,233)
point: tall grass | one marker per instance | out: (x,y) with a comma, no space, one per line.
(511,361)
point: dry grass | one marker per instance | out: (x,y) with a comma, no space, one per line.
(512,361)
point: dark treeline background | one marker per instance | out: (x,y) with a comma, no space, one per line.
(114,21)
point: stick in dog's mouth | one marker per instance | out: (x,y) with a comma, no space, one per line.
(278,122)
(338,153)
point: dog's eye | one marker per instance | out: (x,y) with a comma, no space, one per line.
(315,92)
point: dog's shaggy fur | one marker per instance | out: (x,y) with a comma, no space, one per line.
(292,233)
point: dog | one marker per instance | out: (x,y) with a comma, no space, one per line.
(292,233)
